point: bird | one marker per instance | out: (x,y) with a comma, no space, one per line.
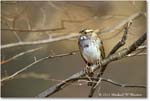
(91,49)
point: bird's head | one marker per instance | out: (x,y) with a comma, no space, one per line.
(86,31)
(89,32)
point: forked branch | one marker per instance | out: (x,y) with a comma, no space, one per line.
(113,57)
(115,48)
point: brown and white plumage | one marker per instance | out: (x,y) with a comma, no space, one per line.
(91,48)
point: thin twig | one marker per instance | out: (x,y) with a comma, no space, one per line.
(111,81)
(123,39)
(40,41)
(139,54)
(123,85)
(36,62)
(20,71)
(20,54)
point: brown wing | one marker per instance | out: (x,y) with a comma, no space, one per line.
(95,36)
(102,50)
(101,47)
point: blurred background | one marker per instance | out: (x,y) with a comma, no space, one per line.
(62,18)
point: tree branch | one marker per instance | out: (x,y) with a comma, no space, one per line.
(36,62)
(123,39)
(115,48)
(67,36)
(20,54)
(81,81)
(123,85)
(113,57)
(54,56)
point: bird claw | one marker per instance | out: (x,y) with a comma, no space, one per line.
(99,63)
(88,70)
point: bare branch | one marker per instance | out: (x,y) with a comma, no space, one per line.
(66,36)
(20,54)
(112,82)
(122,85)
(123,39)
(80,81)
(20,71)
(138,51)
(17,37)
(139,54)
(113,57)
(74,78)
(142,47)
(36,62)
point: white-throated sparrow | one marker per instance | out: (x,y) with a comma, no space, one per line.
(91,49)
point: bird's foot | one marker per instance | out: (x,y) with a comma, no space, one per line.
(99,63)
